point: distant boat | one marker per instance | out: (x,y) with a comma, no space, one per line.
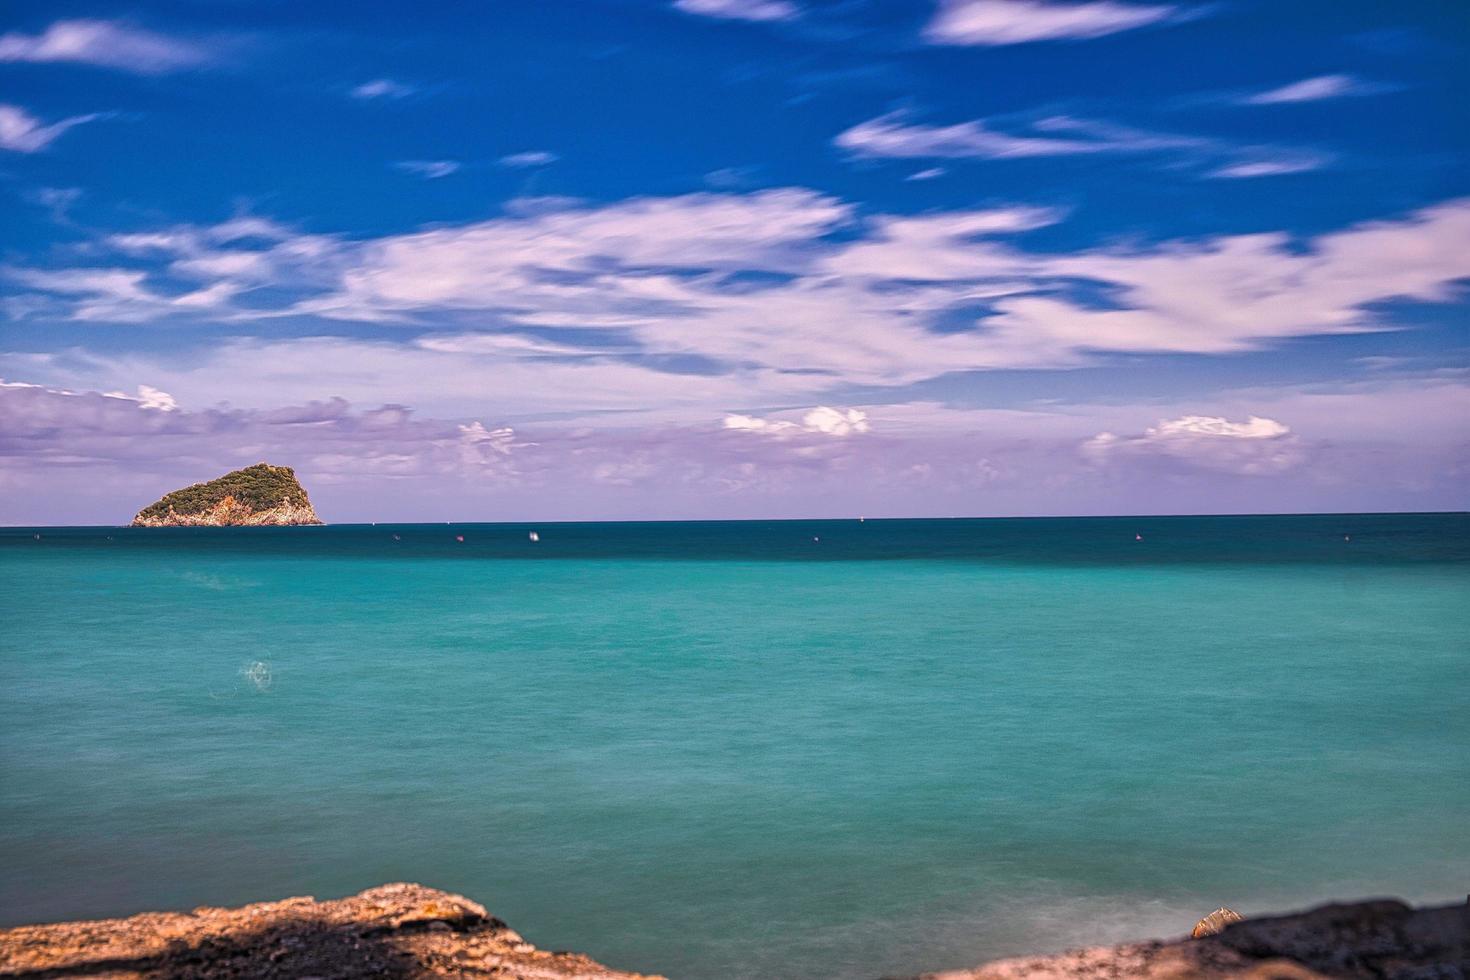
(1138,537)
(534,536)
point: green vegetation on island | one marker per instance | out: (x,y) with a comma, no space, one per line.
(259,494)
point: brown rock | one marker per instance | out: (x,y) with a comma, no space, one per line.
(1215,922)
(1381,940)
(393,931)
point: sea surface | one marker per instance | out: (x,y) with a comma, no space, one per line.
(735,750)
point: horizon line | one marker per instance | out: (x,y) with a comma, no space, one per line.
(790,520)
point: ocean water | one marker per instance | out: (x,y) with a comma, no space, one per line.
(731,750)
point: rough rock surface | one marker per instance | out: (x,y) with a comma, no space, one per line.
(1215,922)
(1379,940)
(393,931)
(257,495)
(409,931)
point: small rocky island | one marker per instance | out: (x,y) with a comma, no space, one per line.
(258,495)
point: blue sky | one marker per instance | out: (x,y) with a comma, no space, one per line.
(737,258)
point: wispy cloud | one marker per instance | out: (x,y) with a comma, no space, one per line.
(58,201)
(383,88)
(105,43)
(999,22)
(428,169)
(891,136)
(755,10)
(929,173)
(1314,90)
(24,133)
(530,158)
(1273,167)
(699,297)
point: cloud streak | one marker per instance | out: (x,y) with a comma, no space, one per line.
(1001,22)
(105,44)
(1312,90)
(22,132)
(530,158)
(428,169)
(893,136)
(383,88)
(751,10)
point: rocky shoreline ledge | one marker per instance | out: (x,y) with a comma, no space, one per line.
(406,931)
(394,931)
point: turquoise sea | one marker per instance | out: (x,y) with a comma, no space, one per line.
(737,750)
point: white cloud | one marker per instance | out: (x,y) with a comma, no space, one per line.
(1312,90)
(997,22)
(927,174)
(110,44)
(821,420)
(1256,447)
(530,158)
(24,133)
(755,291)
(756,10)
(501,440)
(148,397)
(834,422)
(162,401)
(500,264)
(1254,427)
(383,88)
(428,169)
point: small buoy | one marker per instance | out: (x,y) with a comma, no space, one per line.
(37,537)
(459,538)
(397,538)
(1215,922)
(534,536)
(1347,537)
(815,538)
(1138,537)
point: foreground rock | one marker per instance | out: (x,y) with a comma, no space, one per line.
(394,931)
(409,931)
(257,495)
(1383,940)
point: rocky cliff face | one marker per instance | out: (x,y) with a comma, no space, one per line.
(257,495)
